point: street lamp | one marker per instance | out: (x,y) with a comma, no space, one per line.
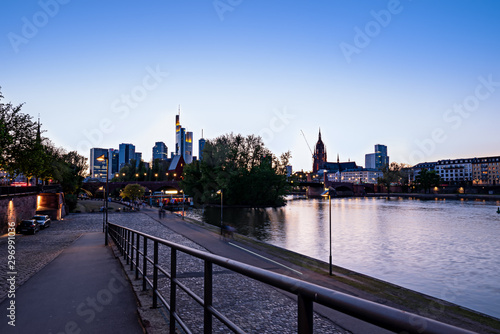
(327,193)
(221,207)
(182,191)
(104,157)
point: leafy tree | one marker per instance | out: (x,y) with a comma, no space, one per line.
(427,179)
(393,174)
(132,191)
(246,171)
(24,150)
(17,138)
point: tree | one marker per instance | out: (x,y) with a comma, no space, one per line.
(427,179)
(17,138)
(132,192)
(24,150)
(392,174)
(247,172)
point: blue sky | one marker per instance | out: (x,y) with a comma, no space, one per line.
(421,77)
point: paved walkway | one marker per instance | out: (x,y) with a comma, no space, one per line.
(83,290)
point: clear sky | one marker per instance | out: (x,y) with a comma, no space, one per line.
(421,76)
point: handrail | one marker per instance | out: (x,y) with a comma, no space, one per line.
(308,293)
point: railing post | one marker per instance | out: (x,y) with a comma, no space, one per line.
(125,244)
(121,239)
(132,251)
(137,245)
(207,300)
(305,316)
(127,235)
(173,288)
(155,275)
(145,265)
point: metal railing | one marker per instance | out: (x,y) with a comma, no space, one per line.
(134,244)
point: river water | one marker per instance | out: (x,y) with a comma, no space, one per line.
(448,249)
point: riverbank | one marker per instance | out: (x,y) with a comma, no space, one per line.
(370,288)
(467,197)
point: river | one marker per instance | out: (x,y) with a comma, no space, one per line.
(448,249)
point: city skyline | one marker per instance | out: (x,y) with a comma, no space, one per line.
(417,76)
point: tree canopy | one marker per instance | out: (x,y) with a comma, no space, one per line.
(24,151)
(132,192)
(427,179)
(243,168)
(395,173)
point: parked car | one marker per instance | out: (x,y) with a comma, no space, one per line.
(29,226)
(43,220)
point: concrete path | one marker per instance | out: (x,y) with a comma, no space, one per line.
(84,290)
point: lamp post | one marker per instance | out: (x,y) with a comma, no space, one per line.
(182,191)
(325,194)
(105,157)
(220,192)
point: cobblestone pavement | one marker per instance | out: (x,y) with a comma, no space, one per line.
(254,306)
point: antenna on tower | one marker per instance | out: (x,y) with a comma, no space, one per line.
(201,133)
(179,109)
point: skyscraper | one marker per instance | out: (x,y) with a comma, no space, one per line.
(188,148)
(138,158)
(127,153)
(114,162)
(183,141)
(201,146)
(377,160)
(160,151)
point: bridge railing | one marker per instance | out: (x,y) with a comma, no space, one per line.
(133,246)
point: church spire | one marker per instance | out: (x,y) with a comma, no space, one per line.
(38,132)
(319,154)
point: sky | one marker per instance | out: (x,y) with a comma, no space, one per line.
(420,76)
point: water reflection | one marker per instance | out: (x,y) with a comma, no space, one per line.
(447,249)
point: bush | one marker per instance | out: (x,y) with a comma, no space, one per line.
(71,201)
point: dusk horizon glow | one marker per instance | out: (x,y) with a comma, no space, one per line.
(420,77)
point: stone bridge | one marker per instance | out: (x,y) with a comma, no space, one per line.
(94,187)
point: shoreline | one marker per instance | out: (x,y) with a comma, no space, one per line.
(472,197)
(372,288)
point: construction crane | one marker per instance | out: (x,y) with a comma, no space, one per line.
(312,154)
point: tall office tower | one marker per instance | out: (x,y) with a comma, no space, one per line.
(160,151)
(138,158)
(201,146)
(98,168)
(319,154)
(114,162)
(183,140)
(377,160)
(127,153)
(178,132)
(188,148)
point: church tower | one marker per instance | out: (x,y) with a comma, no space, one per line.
(319,154)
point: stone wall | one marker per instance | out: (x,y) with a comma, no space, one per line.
(15,208)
